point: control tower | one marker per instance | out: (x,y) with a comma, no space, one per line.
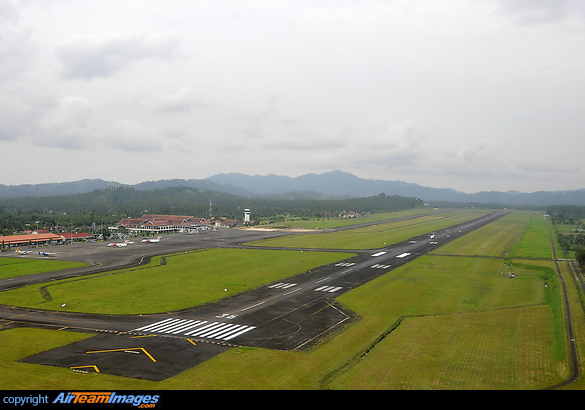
(246,215)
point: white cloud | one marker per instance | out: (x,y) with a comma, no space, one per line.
(181,101)
(132,136)
(87,56)
(444,93)
(534,11)
(66,125)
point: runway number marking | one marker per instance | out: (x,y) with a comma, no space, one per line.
(227,316)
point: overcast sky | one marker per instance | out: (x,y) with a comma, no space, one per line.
(467,94)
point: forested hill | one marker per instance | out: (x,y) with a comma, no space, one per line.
(192,201)
(319,186)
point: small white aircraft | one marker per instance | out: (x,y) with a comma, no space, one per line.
(46,253)
(433,235)
(21,252)
(118,245)
(146,240)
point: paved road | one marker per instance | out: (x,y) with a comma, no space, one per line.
(293,314)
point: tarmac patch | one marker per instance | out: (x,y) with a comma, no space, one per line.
(150,358)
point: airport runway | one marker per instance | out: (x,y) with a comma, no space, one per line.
(293,314)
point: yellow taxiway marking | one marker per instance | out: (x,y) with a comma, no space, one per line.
(92,366)
(136,337)
(192,342)
(128,348)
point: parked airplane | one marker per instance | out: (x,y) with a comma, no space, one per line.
(21,252)
(118,245)
(46,253)
(147,240)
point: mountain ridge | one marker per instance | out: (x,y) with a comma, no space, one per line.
(333,184)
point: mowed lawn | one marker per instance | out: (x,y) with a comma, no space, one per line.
(185,280)
(494,239)
(11,267)
(375,236)
(460,323)
(503,349)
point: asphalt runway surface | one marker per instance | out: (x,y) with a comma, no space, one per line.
(292,314)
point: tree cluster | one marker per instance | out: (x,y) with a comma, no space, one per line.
(571,241)
(110,204)
(566,214)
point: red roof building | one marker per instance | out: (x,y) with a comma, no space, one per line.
(152,223)
(32,239)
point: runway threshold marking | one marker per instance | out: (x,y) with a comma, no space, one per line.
(128,348)
(197,328)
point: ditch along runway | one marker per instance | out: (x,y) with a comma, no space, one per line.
(292,314)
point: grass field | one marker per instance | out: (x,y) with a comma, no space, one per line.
(327,223)
(438,322)
(501,349)
(376,236)
(495,239)
(12,267)
(187,279)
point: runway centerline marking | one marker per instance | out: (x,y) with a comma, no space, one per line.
(253,306)
(292,291)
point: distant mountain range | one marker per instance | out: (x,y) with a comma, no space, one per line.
(329,185)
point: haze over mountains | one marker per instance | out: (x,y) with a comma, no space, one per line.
(320,186)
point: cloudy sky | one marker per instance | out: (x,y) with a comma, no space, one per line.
(468,94)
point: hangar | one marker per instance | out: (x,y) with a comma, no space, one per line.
(32,239)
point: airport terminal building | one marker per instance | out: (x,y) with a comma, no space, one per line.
(157,224)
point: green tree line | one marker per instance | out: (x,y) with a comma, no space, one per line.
(110,204)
